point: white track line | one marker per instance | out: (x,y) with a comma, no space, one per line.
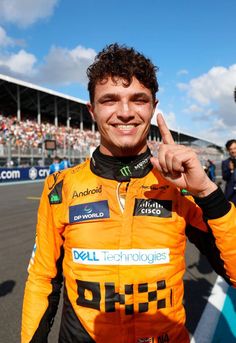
(209,319)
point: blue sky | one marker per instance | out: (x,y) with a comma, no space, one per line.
(52,42)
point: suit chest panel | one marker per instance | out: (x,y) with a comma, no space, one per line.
(95,218)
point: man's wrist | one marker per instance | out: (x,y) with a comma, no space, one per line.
(210,189)
(213,205)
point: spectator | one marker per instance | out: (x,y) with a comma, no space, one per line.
(55,166)
(229,171)
(211,170)
(65,163)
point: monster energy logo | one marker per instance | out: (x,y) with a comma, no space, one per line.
(125,171)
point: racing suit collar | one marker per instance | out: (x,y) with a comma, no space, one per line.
(121,168)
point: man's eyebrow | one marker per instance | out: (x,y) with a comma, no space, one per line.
(137,95)
(108,96)
(140,95)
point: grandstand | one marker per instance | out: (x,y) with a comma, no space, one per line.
(31,116)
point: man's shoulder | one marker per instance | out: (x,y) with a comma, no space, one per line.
(226,160)
(64,176)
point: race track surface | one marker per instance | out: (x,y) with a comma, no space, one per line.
(18,212)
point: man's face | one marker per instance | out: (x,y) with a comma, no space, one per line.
(123,116)
(232,150)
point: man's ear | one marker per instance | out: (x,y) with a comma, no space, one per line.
(91,110)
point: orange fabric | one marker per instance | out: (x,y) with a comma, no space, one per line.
(135,256)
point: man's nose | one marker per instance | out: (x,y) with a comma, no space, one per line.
(125,110)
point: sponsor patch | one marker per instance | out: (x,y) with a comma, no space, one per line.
(89,211)
(153,208)
(125,171)
(121,257)
(184,192)
(55,196)
(156,187)
(88,191)
(142,298)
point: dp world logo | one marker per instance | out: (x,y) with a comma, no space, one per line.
(33,173)
(88,209)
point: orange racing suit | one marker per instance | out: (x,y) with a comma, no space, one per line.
(119,244)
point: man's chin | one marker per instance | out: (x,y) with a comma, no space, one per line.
(130,150)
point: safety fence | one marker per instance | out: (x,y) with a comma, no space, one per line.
(23,174)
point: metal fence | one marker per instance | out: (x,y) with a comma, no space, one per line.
(29,156)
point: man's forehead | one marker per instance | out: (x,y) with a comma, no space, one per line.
(232,146)
(110,84)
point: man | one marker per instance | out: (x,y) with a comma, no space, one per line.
(64,164)
(55,166)
(229,171)
(119,222)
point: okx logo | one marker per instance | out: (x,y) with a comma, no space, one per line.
(106,297)
(125,171)
(89,211)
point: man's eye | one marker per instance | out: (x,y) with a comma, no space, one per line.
(140,101)
(108,101)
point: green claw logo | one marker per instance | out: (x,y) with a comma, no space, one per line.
(125,171)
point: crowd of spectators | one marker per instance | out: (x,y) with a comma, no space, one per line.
(29,134)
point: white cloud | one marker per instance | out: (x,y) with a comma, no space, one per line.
(182,72)
(63,66)
(60,67)
(5,40)
(217,84)
(211,97)
(193,109)
(20,63)
(170,119)
(25,12)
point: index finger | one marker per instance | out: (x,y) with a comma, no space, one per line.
(164,131)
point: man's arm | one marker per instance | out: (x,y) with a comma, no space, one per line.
(180,165)
(200,233)
(220,215)
(43,286)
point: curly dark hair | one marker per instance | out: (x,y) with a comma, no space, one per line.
(123,62)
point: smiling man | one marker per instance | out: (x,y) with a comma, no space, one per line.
(123,114)
(115,227)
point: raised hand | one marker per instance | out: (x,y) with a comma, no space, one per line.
(179,164)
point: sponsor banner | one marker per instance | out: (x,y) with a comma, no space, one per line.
(121,256)
(23,174)
(89,211)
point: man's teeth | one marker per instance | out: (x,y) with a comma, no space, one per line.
(125,127)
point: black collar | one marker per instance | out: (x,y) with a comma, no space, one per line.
(120,168)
